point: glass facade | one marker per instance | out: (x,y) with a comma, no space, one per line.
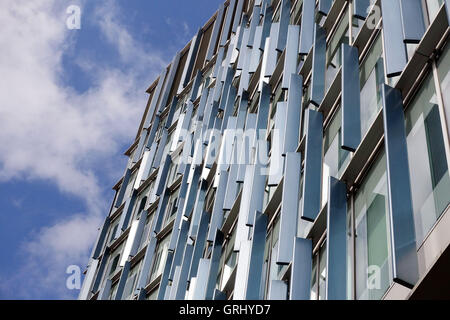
(160,227)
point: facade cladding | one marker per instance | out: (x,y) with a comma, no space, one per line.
(292,150)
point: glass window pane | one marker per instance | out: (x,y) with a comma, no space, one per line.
(430,182)
(444,78)
(371,239)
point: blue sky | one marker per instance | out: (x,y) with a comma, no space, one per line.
(70,104)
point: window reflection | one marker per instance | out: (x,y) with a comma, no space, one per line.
(430,182)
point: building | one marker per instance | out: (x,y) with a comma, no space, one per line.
(292,150)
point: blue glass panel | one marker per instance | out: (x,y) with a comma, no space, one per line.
(300,286)
(394,48)
(351,104)
(318,65)
(313,165)
(336,284)
(413,23)
(307,26)
(403,237)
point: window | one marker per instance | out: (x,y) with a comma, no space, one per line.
(371,79)
(172,207)
(128,291)
(160,258)
(319,274)
(113,229)
(433,8)
(273,271)
(444,78)
(146,231)
(335,158)
(430,182)
(227,262)
(372,258)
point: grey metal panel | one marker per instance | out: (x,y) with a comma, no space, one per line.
(159,152)
(101,270)
(195,85)
(199,243)
(263,111)
(125,217)
(215,264)
(146,265)
(336,284)
(160,212)
(247,143)
(447,9)
(217,210)
(203,100)
(351,99)
(155,98)
(174,286)
(228,103)
(122,281)
(180,206)
(160,182)
(165,276)
(187,120)
(285,16)
(278,290)
(215,34)
(300,285)
(138,236)
(192,192)
(258,182)
(257,258)
(253,24)
(179,248)
(242,49)
(313,165)
(197,214)
(318,65)
(307,26)
(289,208)
(202,279)
(256,52)
(241,279)
(218,62)
(169,82)
(413,23)
(227,23)
(180,292)
(192,54)
(272,55)
(123,188)
(395,58)
(266,26)
(138,151)
(276,158)
(404,254)
(231,189)
(104,292)
(101,238)
(360,8)
(291,57)
(152,133)
(173,106)
(244,208)
(293,114)
(325,6)
(237,15)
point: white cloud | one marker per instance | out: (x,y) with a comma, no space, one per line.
(49,131)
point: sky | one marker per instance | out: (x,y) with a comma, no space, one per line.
(70,104)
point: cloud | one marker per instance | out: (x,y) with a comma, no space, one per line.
(51,132)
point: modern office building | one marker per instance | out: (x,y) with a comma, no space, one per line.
(294,149)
